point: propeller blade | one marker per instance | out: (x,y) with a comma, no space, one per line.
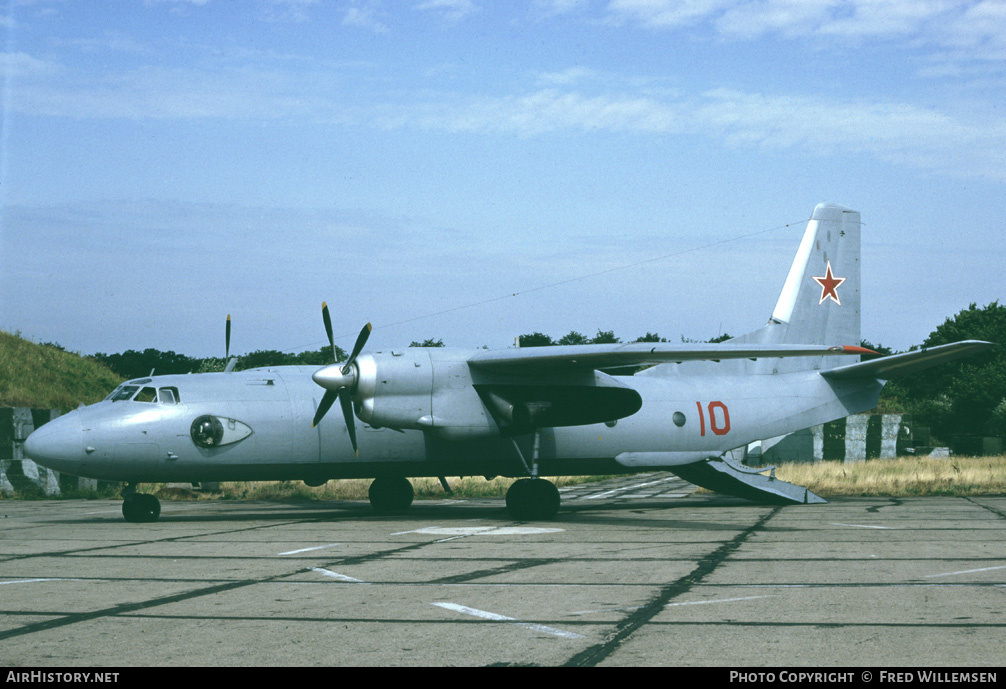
(227,349)
(326,403)
(361,340)
(328,327)
(347,412)
(336,385)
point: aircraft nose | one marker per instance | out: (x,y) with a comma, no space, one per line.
(58,444)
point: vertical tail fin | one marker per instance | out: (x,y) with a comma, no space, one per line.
(820,300)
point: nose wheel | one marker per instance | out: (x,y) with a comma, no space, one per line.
(391,495)
(139,507)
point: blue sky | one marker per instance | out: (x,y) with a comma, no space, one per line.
(428,165)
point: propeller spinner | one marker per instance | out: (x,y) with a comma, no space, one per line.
(339,381)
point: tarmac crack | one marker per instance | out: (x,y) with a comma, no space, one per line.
(493,571)
(993,510)
(126,608)
(599,652)
(132,544)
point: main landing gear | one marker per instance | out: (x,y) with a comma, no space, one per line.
(532,499)
(139,507)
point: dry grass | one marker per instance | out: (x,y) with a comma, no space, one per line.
(902,477)
(353,489)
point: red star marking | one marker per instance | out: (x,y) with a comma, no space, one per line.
(829,286)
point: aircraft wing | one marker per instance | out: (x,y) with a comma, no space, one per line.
(588,357)
(910,362)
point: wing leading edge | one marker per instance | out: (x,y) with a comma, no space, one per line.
(586,357)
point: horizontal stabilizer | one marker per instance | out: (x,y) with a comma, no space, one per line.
(897,365)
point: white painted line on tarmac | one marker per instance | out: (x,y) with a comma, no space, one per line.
(617,609)
(860,526)
(307,550)
(658,495)
(625,488)
(336,575)
(32,581)
(482,614)
(966,571)
(721,600)
(480,531)
(671,605)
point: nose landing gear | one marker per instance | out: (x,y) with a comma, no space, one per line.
(391,495)
(139,507)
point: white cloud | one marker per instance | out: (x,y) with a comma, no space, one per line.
(930,22)
(887,17)
(663,14)
(365,16)
(286,10)
(451,10)
(950,38)
(568,76)
(900,133)
(23,65)
(575,101)
(552,8)
(788,17)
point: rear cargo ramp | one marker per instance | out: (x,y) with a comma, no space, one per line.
(722,475)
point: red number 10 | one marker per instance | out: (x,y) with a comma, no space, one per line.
(719,426)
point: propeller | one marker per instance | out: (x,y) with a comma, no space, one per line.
(339,381)
(230,363)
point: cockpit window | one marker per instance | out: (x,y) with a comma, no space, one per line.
(146,395)
(166,395)
(123,392)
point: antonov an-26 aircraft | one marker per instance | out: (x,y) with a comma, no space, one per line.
(525,413)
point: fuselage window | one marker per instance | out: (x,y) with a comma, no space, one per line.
(146,395)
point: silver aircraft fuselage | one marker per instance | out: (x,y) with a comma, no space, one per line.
(264,432)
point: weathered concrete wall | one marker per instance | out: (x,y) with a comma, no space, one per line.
(853,439)
(16,470)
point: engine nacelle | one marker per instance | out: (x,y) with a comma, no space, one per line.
(433,389)
(423,389)
(394,389)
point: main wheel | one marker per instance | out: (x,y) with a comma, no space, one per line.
(532,499)
(390,495)
(140,507)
